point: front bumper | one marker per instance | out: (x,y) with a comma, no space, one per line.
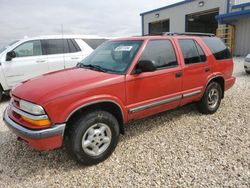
(44,139)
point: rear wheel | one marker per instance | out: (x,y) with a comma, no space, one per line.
(93,138)
(211,99)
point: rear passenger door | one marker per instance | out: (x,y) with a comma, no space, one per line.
(73,53)
(152,92)
(54,49)
(195,71)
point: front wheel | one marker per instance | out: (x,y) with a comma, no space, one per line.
(211,99)
(93,138)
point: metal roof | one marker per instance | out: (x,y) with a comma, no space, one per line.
(224,18)
(167,7)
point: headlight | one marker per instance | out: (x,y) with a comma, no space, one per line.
(31,108)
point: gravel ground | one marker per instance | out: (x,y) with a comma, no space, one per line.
(179,148)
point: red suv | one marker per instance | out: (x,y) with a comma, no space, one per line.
(125,79)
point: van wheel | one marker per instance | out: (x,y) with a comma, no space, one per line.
(248,72)
(211,99)
(93,138)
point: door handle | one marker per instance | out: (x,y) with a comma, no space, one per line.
(207,69)
(74,57)
(178,74)
(40,61)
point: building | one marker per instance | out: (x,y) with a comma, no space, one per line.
(229,19)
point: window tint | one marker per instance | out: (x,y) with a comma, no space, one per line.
(73,47)
(31,48)
(217,47)
(161,52)
(191,51)
(203,57)
(55,46)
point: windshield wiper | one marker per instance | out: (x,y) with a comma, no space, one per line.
(92,67)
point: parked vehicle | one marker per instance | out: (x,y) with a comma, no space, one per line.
(247,64)
(30,57)
(86,107)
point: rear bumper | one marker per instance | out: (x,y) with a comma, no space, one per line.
(229,82)
(44,139)
(247,66)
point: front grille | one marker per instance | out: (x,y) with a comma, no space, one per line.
(15,102)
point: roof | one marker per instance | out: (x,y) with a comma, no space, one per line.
(65,37)
(148,37)
(166,7)
(225,18)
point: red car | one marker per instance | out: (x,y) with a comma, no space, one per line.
(86,107)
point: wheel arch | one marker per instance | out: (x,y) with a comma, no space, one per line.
(219,79)
(107,105)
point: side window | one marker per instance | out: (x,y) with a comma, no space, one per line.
(217,47)
(191,51)
(203,57)
(161,52)
(73,46)
(31,48)
(55,46)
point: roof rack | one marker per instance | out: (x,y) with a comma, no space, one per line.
(188,33)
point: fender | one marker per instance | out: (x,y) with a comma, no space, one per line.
(212,76)
(63,113)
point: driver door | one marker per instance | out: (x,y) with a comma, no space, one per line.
(28,63)
(153,92)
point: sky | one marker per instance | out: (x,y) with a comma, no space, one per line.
(106,18)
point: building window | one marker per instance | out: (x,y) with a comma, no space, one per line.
(159,27)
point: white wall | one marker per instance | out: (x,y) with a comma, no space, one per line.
(242,37)
(177,14)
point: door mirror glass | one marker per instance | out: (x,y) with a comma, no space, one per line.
(10,55)
(145,66)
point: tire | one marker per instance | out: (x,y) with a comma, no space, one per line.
(211,99)
(248,72)
(90,132)
(1,94)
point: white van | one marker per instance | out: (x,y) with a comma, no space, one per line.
(30,57)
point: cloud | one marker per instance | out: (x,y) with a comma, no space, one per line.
(109,18)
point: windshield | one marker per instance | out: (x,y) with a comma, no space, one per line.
(112,56)
(4,48)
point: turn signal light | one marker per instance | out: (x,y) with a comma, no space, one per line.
(40,123)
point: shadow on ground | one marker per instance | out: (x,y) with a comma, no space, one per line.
(26,162)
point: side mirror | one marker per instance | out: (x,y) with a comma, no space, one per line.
(145,66)
(10,55)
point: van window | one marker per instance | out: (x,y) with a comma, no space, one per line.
(161,52)
(55,46)
(94,43)
(73,47)
(30,48)
(191,51)
(217,47)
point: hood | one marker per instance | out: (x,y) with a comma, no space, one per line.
(50,86)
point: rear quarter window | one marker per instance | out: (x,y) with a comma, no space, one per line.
(217,47)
